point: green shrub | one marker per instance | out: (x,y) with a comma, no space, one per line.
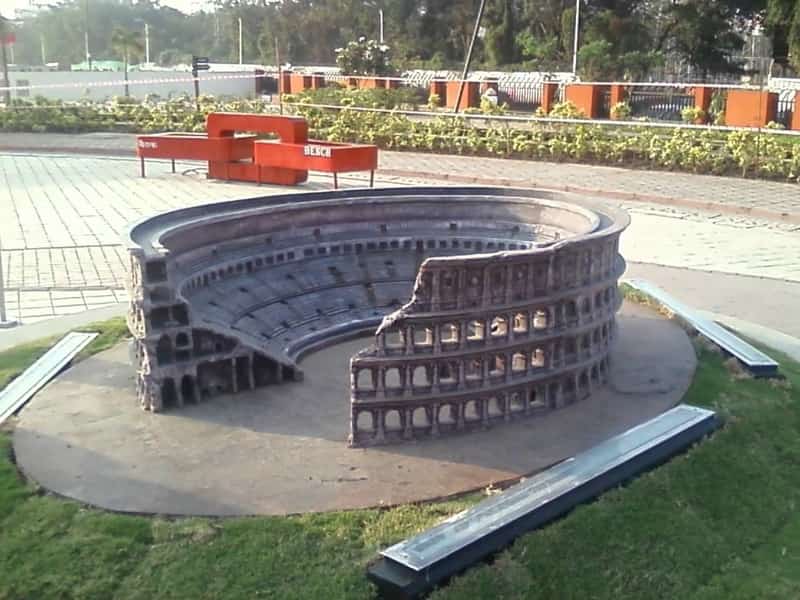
(716,109)
(693,114)
(620,111)
(566,110)
(747,153)
(364,57)
(434,101)
(402,98)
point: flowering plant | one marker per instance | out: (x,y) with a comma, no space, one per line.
(364,57)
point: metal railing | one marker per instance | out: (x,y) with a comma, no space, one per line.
(785,110)
(521,95)
(659,104)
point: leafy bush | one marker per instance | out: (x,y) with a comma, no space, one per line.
(679,149)
(620,111)
(566,110)
(364,57)
(403,97)
(747,153)
(434,101)
(490,108)
(693,114)
(178,114)
(716,109)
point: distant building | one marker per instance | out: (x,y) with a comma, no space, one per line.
(99,65)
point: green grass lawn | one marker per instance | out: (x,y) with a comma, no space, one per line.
(721,521)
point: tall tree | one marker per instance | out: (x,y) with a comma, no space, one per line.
(128,44)
(782,21)
(501,46)
(541,37)
(704,35)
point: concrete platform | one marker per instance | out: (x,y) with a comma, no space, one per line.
(281,450)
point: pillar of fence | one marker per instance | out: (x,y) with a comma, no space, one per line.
(285,82)
(439,87)
(702,100)
(549,92)
(471,97)
(795,124)
(585,96)
(750,108)
(618,94)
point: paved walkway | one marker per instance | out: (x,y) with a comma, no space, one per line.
(762,199)
(62,219)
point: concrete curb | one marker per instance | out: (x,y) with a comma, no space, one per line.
(58,325)
(719,207)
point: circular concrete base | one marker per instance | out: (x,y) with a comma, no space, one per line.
(282,449)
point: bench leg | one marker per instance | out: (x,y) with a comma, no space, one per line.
(173,165)
(335,181)
(141,159)
(371,178)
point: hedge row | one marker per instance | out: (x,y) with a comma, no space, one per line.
(744,153)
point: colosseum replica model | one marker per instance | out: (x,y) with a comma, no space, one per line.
(487,304)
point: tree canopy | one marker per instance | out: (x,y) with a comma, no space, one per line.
(618,38)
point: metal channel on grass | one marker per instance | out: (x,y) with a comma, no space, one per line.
(462,529)
(756,361)
(415,566)
(22,389)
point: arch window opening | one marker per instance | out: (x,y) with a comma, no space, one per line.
(499,327)
(475,331)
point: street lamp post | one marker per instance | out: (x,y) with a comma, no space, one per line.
(381,37)
(86,35)
(575,37)
(5,37)
(241,45)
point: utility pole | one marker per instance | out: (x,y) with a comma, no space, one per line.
(43,49)
(241,47)
(469,55)
(575,37)
(280,76)
(4,37)
(147,43)
(86,34)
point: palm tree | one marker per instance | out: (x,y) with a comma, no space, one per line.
(127,44)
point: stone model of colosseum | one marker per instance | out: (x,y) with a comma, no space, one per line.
(487,304)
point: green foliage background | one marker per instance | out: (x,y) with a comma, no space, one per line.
(619,38)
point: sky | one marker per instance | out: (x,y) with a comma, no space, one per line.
(8,7)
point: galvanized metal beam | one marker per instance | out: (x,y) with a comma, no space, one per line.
(22,389)
(413,567)
(758,363)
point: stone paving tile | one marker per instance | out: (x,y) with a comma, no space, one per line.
(702,188)
(63,218)
(744,193)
